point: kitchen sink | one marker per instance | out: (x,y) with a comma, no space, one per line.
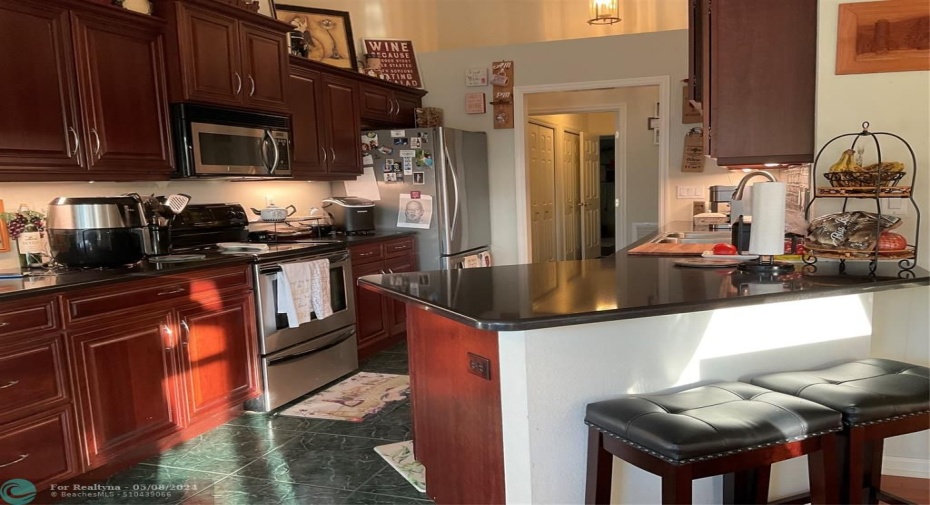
(692,237)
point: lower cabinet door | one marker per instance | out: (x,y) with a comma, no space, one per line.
(218,354)
(370,313)
(397,309)
(39,449)
(126,385)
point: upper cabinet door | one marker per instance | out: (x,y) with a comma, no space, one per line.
(405,115)
(39,126)
(264,67)
(376,103)
(340,111)
(121,78)
(209,51)
(753,115)
(308,155)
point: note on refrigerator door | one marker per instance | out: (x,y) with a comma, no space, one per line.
(366,186)
(414,212)
(471,261)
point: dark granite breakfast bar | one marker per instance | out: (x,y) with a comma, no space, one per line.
(503,359)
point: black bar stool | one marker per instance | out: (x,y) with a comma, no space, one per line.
(879,398)
(723,428)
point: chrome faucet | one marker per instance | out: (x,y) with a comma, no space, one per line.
(738,193)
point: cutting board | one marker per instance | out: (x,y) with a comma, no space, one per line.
(671,249)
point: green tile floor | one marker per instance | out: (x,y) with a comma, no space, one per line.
(260,459)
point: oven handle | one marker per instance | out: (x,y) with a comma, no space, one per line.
(334,260)
(346,335)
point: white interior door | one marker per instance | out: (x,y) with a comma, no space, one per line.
(569,190)
(590,197)
(540,149)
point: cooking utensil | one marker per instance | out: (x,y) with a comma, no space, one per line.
(177,202)
(275,214)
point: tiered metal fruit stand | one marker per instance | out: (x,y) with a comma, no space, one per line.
(873,185)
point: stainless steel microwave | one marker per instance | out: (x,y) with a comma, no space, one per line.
(217,142)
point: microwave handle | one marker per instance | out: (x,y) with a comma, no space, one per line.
(267,137)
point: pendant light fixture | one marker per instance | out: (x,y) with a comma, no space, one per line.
(604,12)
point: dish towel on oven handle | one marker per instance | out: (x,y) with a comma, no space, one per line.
(303,290)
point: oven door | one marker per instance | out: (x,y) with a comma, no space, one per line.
(274,333)
(235,150)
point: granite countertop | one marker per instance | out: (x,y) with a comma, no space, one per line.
(543,295)
(41,282)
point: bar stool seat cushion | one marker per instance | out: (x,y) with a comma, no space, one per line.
(865,391)
(710,421)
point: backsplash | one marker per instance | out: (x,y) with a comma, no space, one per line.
(36,196)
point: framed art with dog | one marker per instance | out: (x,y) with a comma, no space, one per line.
(319,34)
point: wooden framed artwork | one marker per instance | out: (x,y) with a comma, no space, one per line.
(4,233)
(319,34)
(266,7)
(886,36)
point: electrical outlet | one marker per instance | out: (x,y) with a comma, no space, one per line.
(479,365)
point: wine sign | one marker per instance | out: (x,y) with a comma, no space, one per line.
(398,61)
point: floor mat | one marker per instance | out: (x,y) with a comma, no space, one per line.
(353,399)
(400,457)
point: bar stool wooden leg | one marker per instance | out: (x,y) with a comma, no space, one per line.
(600,463)
(824,471)
(856,465)
(874,477)
(749,486)
(676,485)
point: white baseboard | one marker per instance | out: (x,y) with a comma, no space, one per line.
(906,467)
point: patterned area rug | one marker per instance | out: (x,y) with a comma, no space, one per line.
(400,457)
(353,399)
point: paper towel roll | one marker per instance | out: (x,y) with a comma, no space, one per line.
(767,235)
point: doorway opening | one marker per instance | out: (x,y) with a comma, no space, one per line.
(625,182)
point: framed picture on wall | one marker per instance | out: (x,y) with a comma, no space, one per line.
(4,233)
(266,7)
(319,34)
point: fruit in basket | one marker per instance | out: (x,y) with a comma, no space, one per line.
(889,241)
(847,162)
(885,166)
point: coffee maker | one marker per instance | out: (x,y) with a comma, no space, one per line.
(720,198)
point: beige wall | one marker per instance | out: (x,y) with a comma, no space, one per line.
(440,25)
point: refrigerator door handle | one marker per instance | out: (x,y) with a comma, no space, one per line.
(455,188)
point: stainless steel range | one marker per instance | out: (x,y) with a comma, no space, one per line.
(294,361)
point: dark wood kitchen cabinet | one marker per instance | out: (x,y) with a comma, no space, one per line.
(384,106)
(220,54)
(88,101)
(127,376)
(218,355)
(37,429)
(381,320)
(757,79)
(325,124)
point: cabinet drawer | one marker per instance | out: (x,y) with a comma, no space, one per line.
(28,317)
(32,376)
(40,449)
(366,253)
(130,296)
(399,247)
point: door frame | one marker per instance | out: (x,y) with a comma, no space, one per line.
(620,142)
(524,254)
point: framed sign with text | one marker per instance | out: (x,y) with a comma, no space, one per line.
(398,61)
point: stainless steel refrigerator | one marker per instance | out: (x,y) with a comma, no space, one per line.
(449,169)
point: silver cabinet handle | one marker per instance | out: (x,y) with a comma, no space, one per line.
(391,112)
(383,272)
(238,82)
(9,384)
(252,85)
(397,110)
(21,457)
(96,142)
(334,154)
(187,332)
(170,334)
(172,292)
(390,270)
(5,323)
(323,149)
(77,142)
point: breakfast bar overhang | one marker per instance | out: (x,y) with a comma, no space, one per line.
(504,359)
